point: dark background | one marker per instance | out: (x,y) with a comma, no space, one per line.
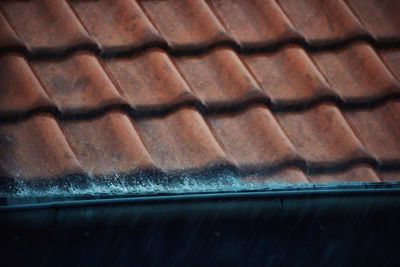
(317,230)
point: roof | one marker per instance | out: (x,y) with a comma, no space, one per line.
(291,91)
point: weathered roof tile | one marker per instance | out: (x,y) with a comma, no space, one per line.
(20,91)
(358,173)
(277,91)
(322,136)
(381,18)
(379,130)
(77,84)
(264,21)
(356,73)
(253,138)
(219,78)
(36,149)
(149,81)
(48,25)
(181,141)
(8,38)
(288,76)
(116,25)
(322,21)
(185,24)
(107,145)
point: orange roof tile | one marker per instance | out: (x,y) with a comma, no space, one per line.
(286,90)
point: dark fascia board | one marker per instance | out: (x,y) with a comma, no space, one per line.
(329,201)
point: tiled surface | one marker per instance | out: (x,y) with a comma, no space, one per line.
(85,98)
(356,73)
(76,84)
(279,73)
(149,81)
(264,21)
(379,17)
(321,135)
(44,25)
(108,144)
(322,20)
(115,26)
(219,78)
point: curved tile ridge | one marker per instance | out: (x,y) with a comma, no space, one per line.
(124,27)
(252,142)
(154,83)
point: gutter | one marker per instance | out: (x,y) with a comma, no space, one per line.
(324,200)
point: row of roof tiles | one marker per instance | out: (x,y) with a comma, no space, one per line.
(117,25)
(252,139)
(154,80)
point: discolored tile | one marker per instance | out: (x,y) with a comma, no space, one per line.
(381,17)
(288,76)
(116,25)
(8,38)
(107,145)
(118,87)
(185,24)
(322,136)
(289,176)
(379,131)
(389,176)
(356,73)
(77,83)
(252,138)
(355,174)
(391,57)
(219,78)
(36,149)
(254,23)
(20,91)
(322,21)
(45,26)
(149,81)
(181,141)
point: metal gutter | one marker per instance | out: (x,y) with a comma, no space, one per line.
(318,226)
(360,190)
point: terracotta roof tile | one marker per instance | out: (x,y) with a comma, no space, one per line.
(390,176)
(8,37)
(356,73)
(358,173)
(185,24)
(322,21)
(20,90)
(321,129)
(288,76)
(181,140)
(281,91)
(219,77)
(392,59)
(379,130)
(108,144)
(45,25)
(116,24)
(289,175)
(264,21)
(252,138)
(77,84)
(286,176)
(36,149)
(149,81)
(381,18)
